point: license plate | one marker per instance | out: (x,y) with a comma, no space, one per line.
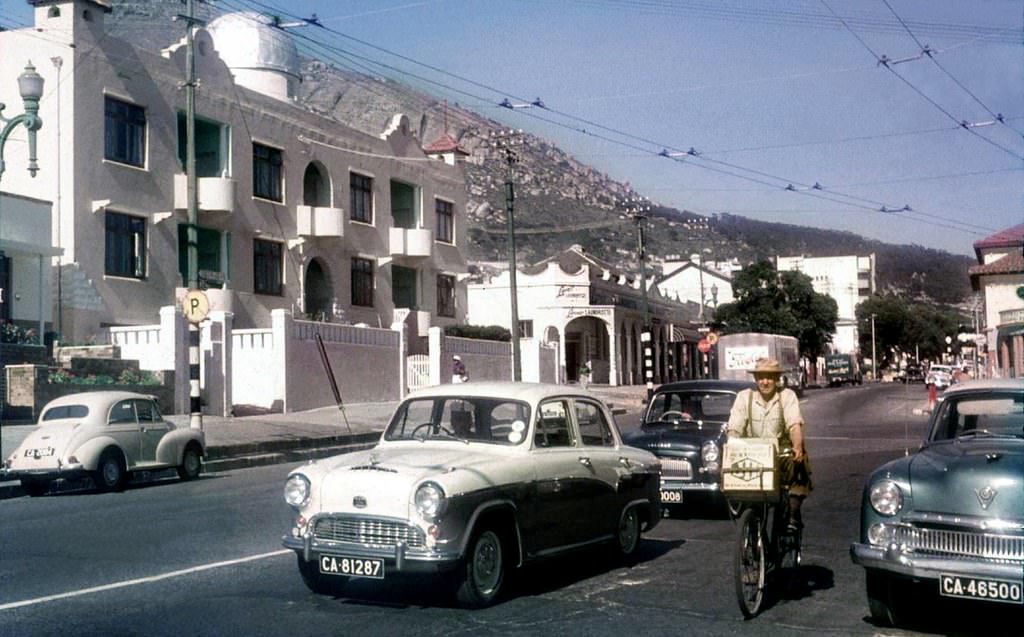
(39,453)
(993,590)
(671,497)
(352,566)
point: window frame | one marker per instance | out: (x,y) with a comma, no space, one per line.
(444,212)
(360,197)
(124,132)
(267,267)
(446,301)
(359,278)
(265,167)
(133,231)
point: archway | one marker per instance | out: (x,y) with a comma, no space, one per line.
(316,186)
(587,342)
(317,292)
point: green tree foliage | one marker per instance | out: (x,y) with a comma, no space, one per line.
(906,328)
(482,332)
(779,303)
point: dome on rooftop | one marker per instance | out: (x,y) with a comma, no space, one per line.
(248,42)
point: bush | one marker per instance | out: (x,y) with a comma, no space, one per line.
(127,377)
(482,332)
(11,333)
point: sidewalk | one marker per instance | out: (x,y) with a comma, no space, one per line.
(251,441)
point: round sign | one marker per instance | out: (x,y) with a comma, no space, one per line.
(195,306)
(704,346)
(711,338)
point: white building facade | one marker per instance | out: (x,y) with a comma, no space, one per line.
(694,280)
(849,280)
(296,210)
(999,276)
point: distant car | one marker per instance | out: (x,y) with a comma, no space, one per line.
(912,374)
(105,435)
(684,425)
(949,519)
(939,375)
(473,480)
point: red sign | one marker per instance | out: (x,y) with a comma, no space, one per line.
(704,346)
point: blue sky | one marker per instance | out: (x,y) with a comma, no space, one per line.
(767,93)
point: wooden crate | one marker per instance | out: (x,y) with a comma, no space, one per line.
(749,466)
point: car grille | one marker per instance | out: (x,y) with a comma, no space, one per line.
(367,531)
(945,542)
(679,469)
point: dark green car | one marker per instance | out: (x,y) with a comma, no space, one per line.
(948,520)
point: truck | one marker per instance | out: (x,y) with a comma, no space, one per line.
(842,369)
(738,352)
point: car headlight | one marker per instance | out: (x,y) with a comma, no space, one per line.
(430,500)
(709,453)
(886,497)
(296,490)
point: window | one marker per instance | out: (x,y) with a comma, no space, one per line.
(445,220)
(267,265)
(362,282)
(403,287)
(594,429)
(147,411)
(266,172)
(122,412)
(445,295)
(125,246)
(526,329)
(213,143)
(553,425)
(361,188)
(214,251)
(124,132)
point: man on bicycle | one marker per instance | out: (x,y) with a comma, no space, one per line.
(774,412)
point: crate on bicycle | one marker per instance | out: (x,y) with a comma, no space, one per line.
(750,467)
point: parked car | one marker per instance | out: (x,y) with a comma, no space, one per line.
(939,375)
(912,374)
(950,517)
(684,425)
(105,435)
(473,480)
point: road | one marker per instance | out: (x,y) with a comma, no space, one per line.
(204,558)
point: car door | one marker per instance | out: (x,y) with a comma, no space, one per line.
(152,429)
(123,427)
(606,471)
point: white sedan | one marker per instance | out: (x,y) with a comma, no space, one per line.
(473,480)
(105,435)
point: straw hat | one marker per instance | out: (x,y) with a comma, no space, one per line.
(766,366)
(456,358)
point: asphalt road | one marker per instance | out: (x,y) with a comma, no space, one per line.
(204,558)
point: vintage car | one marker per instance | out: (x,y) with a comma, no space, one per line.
(684,425)
(911,374)
(939,375)
(471,480)
(104,435)
(950,517)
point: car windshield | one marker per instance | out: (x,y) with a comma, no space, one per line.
(64,411)
(676,408)
(994,414)
(499,421)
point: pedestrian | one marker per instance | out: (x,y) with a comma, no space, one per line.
(584,374)
(459,373)
(772,411)
(933,395)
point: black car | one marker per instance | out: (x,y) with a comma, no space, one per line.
(684,425)
(912,374)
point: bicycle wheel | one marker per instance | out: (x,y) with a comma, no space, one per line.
(750,564)
(789,562)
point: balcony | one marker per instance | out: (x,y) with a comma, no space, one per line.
(411,242)
(318,221)
(417,321)
(216,194)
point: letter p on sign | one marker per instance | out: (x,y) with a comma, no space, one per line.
(195,306)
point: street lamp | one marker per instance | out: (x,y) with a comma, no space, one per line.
(30,85)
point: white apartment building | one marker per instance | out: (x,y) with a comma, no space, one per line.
(694,280)
(297,211)
(847,279)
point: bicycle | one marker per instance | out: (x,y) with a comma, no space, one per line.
(767,552)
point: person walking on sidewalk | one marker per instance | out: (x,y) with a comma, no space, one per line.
(459,373)
(772,411)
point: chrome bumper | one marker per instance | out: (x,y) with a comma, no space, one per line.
(894,560)
(670,484)
(399,557)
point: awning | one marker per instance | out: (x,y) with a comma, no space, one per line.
(681,334)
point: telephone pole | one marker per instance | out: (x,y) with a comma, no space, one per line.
(505,142)
(637,209)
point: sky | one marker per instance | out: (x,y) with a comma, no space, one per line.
(898,120)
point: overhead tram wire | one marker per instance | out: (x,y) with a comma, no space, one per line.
(884,62)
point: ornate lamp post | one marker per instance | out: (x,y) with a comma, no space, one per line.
(30,85)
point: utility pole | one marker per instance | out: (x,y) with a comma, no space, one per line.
(191,229)
(637,209)
(874,357)
(505,143)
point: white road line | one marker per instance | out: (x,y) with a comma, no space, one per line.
(141,580)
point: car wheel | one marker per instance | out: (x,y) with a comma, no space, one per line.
(110,472)
(319,583)
(881,599)
(481,575)
(35,488)
(628,537)
(190,464)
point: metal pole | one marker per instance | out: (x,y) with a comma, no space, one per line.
(637,210)
(503,141)
(191,231)
(874,356)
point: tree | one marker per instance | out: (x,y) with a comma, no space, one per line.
(779,303)
(906,328)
